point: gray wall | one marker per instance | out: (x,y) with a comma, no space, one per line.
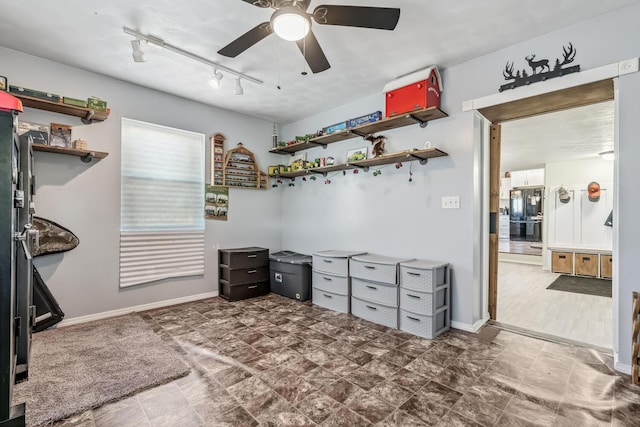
(389,215)
(86,198)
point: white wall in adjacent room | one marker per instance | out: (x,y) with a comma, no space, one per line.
(579,223)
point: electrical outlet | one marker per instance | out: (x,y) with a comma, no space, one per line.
(451,202)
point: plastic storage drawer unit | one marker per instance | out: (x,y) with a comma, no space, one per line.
(243,273)
(425,298)
(331,282)
(291,274)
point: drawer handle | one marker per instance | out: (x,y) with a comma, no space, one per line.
(371,307)
(327,260)
(372,287)
(252,287)
(369,267)
(413,296)
(327,278)
(586,258)
(413,318)
(328,296)
(252,256)
(252,271)
(562,256)
(412,273)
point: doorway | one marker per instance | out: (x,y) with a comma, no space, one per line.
(520,268)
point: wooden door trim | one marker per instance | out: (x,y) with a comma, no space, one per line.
(577,96)
(494,202)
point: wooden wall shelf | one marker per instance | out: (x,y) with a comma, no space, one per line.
(402,156)
(85,155)
(421,117)
(86,114)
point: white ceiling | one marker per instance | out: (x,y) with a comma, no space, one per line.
(578,133)
(88,34)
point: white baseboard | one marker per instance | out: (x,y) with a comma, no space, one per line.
(620,367)
(467,327)
(135,308)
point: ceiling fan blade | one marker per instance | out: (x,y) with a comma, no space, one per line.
(246,40)
(381,18)
(313,53)
(304,4)
(260,3)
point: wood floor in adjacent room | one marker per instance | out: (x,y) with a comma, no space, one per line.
(524,301)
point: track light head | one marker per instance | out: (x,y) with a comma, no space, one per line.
(138,54)
(215,79)
(238,90)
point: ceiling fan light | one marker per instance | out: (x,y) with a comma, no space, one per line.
(290,23)
(238,90)
(214,81)
(607,155)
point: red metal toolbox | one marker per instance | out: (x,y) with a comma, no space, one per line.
(414,91)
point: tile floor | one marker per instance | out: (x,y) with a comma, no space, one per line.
(273,361)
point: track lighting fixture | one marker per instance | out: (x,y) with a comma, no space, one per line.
(214,81)
(139,56)
(238,90)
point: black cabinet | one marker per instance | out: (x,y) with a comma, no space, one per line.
(16,307)
(243,273)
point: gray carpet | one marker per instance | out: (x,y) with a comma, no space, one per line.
(76,368)
(582,285)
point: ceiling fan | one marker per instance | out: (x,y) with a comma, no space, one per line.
(291,22)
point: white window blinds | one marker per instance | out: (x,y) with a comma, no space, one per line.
(162,222)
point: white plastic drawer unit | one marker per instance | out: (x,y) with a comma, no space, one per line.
(425,326)
(376,267)
(330,283)
(382,293)
(423,302)
(374,312)
(423,276)
(330,300)
(333,262)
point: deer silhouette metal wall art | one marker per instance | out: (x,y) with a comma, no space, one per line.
(538,73)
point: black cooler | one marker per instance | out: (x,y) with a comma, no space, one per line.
(291,274)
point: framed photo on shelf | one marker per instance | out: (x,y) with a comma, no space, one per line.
(357,154)
(38,133)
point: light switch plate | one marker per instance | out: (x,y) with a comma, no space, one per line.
(451,202)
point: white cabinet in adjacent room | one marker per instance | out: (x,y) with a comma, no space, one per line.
(505,187)
(527,178)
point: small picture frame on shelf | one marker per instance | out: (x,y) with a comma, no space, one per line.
(38,133)
(60,136)
(4,85)
(357,154)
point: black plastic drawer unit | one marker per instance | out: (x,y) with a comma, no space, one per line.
(243,273)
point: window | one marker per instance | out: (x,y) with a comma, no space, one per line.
(161,214)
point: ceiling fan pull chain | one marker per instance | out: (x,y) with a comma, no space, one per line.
(304,56)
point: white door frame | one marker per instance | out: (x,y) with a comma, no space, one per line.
(611,71)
